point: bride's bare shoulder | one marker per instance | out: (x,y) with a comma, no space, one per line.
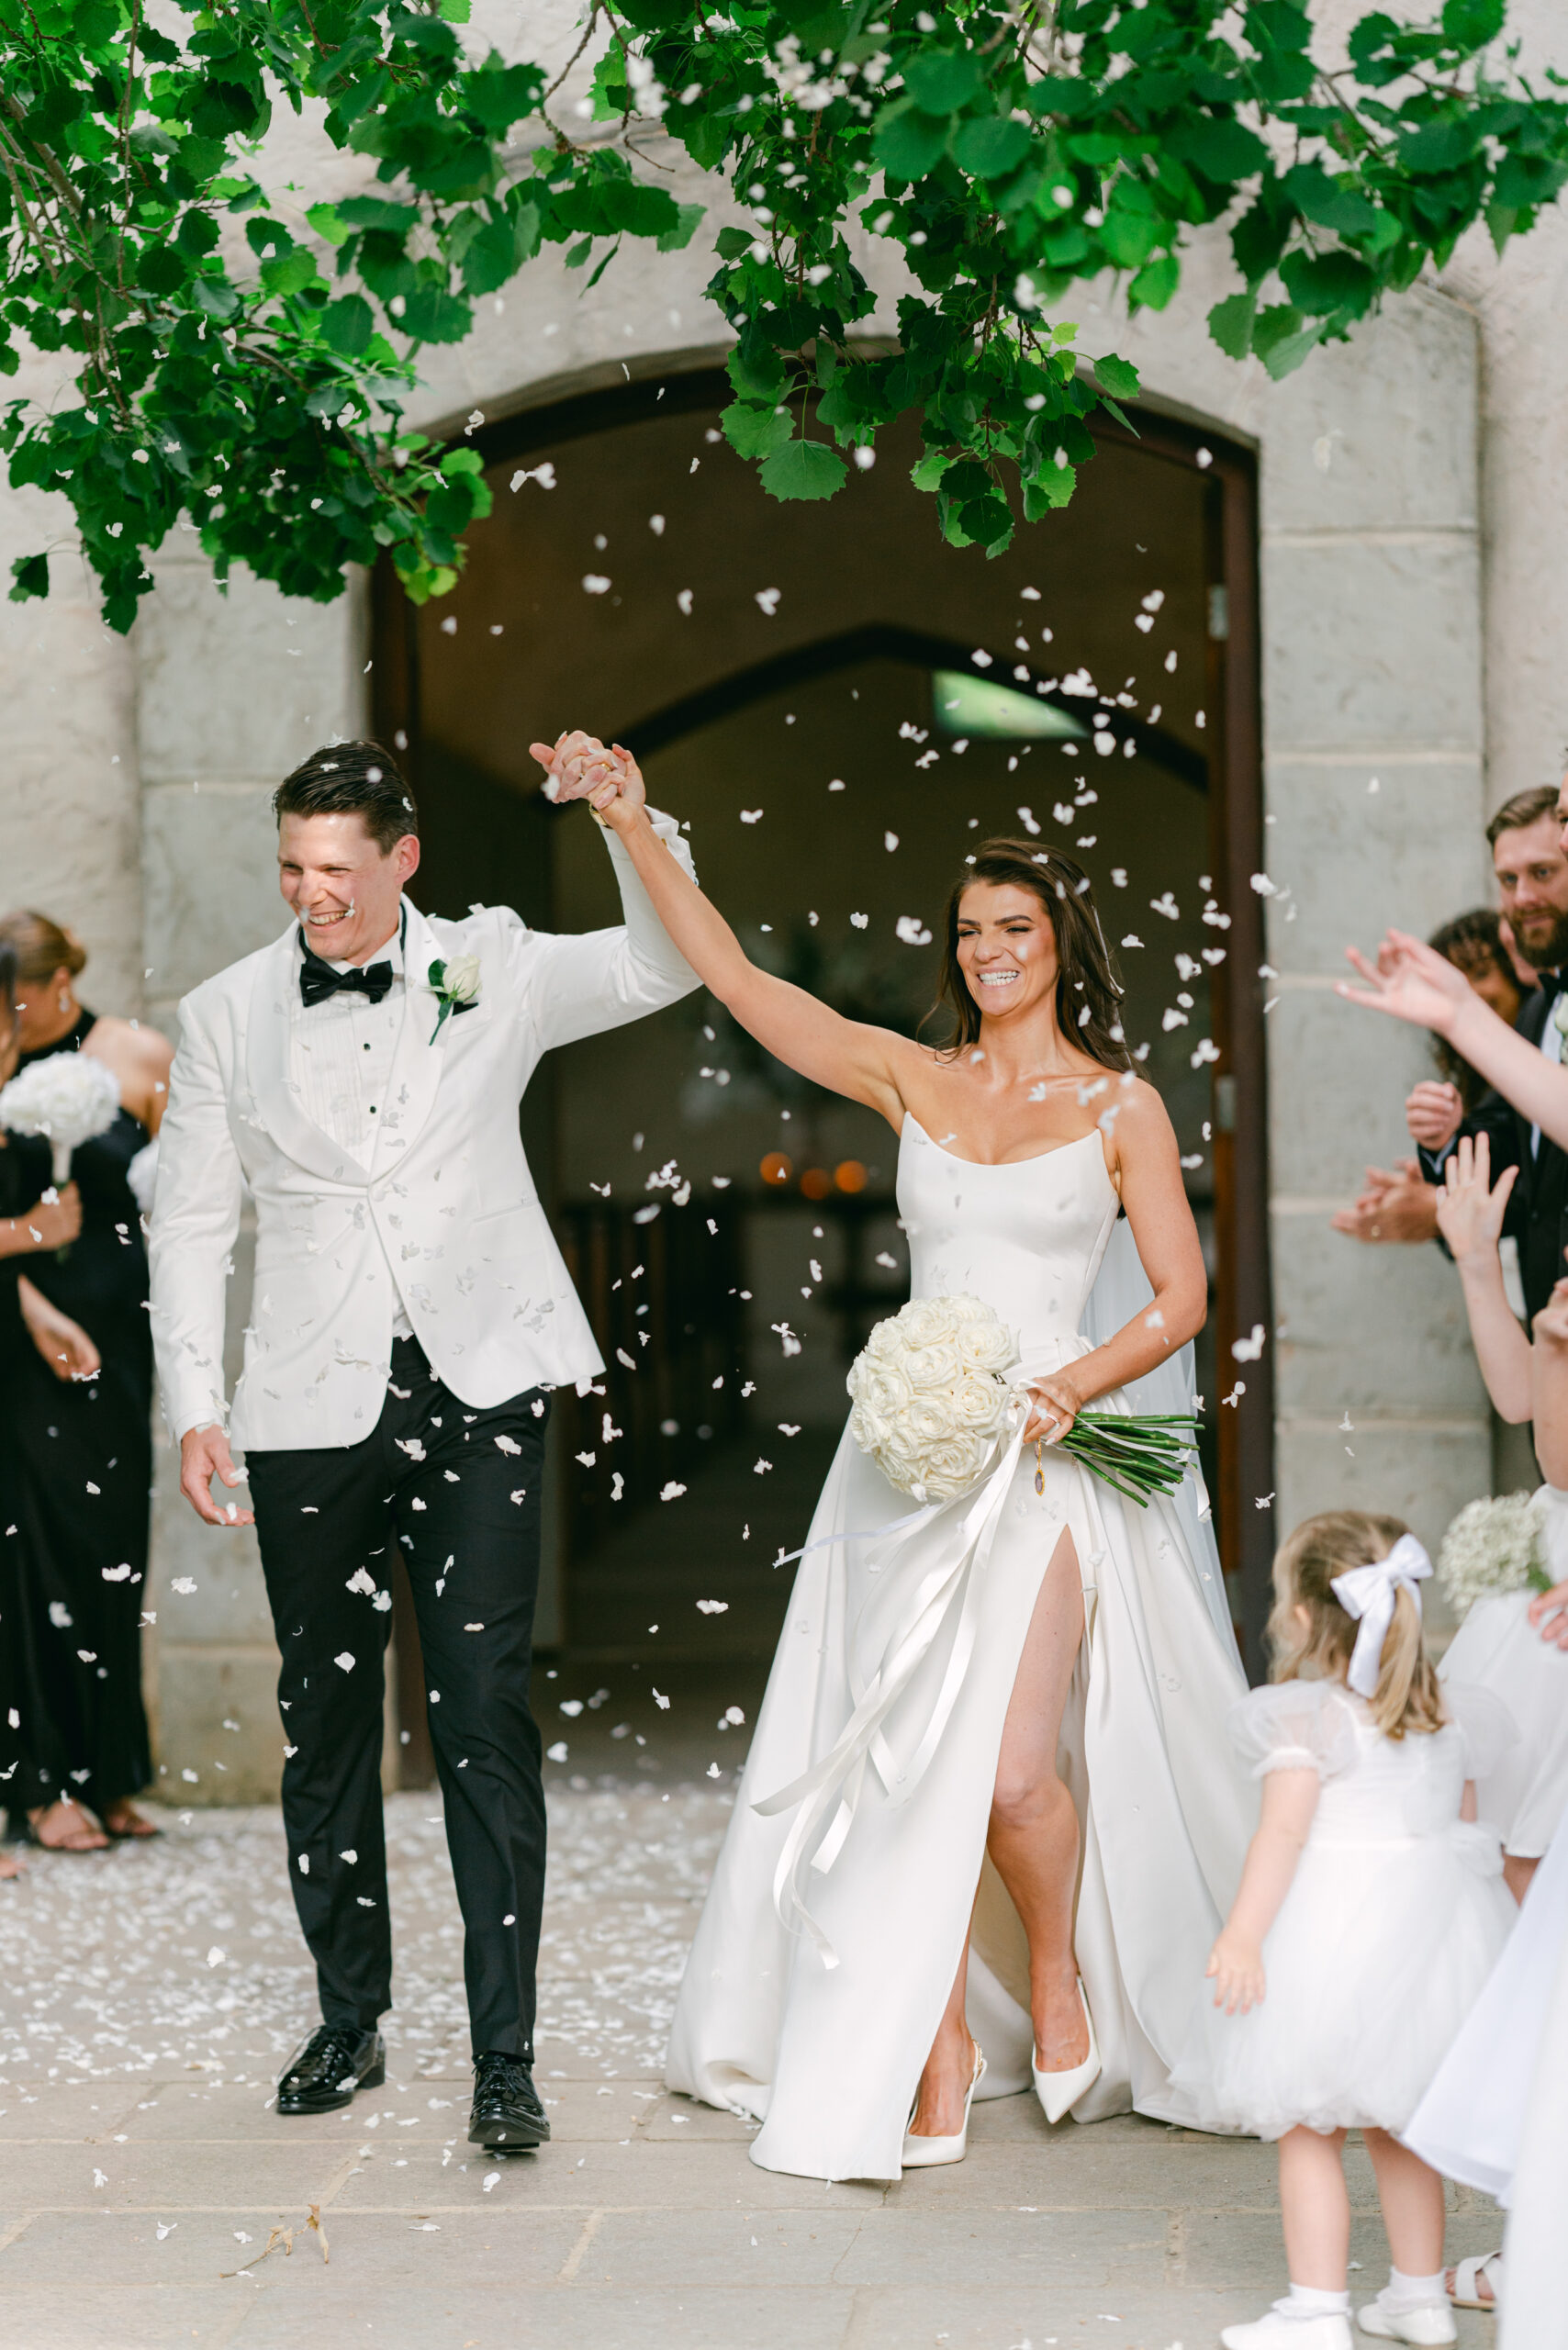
(1136,1116)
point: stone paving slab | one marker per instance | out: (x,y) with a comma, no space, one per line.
(148,1998)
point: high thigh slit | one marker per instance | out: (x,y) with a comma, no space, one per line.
(828,2055)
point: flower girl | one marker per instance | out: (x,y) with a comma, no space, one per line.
(1369,1915)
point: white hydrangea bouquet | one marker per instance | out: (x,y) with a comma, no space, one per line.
(934,1393)
(1495,1546)
(70,1097)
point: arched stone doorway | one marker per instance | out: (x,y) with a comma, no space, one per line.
(798,682)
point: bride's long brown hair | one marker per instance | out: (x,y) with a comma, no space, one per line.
(1089,993)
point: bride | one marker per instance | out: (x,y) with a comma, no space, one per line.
(1064,1822)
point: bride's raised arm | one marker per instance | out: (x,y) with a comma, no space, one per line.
(847,1056)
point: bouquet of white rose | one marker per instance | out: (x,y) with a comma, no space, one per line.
(70,1097)
(1493,1546)
(932,1397)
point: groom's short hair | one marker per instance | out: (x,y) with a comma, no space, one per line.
(352,780)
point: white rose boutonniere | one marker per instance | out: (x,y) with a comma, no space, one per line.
(456,987)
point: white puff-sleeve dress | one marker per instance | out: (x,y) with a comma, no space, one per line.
(1392,1922)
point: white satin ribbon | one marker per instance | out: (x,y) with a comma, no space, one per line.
(1369,1592)
(829,1793)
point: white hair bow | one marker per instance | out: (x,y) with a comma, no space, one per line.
(1369,1592)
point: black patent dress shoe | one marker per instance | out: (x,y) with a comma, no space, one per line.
(334,2061)
(508,2118)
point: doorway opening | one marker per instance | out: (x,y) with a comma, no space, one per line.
(841,706)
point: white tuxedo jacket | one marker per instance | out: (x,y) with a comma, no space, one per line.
(444,1217)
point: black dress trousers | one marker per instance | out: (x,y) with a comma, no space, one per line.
(458,1491)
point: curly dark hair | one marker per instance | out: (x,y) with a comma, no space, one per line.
(1089,993)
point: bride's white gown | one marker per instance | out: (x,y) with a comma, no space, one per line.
(828,2055)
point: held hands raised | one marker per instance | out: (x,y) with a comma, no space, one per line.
(579,766)
(1469,1212)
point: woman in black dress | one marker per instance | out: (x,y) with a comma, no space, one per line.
(86,1446)
(28,1227)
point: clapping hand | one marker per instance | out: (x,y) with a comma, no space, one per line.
(1410,980)
(1236,1970)
(1433,1114)
(1397,1204)
(1469,1212)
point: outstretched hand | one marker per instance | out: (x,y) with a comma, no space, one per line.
(1433,1114)
(1411,981)
(1469,1211)
(579,766)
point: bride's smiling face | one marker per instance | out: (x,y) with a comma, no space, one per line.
(1007,948)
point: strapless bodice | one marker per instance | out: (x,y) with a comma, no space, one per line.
(1027,1236)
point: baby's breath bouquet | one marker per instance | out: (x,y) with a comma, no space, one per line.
(1493,1546)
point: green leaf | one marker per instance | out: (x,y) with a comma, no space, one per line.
(347,325)
(579,252)
(992,146)
(30,576)
(1439,146)
(755,369)
(502,97)
(1472,24)
(1317,283)
(733,243)
(378,212)
(500,249)
(1119,377)
(942,81)
(432,315)
(688,219)
(1222,149)
(803,469)
(288,274)
(1051,488)
(455,12)
(329,224)
(1230,324)
(755,432)
(928,472)
(1319,198)
(907,142)
(1282,339)
(1152,287)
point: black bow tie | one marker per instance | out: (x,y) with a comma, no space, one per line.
(318,980)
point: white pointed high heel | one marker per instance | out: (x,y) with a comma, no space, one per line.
(1058,2092)
(924,2153)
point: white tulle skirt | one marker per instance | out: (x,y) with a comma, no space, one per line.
(1376,1959)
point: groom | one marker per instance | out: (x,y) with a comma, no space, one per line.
(410,1316)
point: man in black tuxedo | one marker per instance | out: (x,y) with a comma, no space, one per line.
(1528,857)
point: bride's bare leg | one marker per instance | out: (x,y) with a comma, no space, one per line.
(949,2069)
(1034,1827)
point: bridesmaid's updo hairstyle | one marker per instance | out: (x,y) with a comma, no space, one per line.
(41,946)
(1409,1696)
(1086,984)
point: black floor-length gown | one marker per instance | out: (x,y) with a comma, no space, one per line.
(82,1471)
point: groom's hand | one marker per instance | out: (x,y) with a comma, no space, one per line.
(204,1455)
(580,767)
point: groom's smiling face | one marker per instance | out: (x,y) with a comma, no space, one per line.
(341,887)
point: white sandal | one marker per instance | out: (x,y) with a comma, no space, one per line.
(1467,2276)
